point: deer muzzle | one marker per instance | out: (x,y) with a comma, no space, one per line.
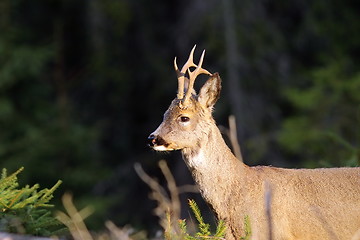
(152,140)
(159,144)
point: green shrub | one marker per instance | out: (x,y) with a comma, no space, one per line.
(203,228)
(26,210)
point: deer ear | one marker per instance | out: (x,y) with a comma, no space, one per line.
(210,92)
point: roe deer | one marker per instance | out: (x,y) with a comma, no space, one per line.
(311,204)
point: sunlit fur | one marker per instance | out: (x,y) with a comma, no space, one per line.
(305,204)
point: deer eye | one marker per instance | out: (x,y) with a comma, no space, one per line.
(184,119)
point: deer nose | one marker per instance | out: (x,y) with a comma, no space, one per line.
(151,140)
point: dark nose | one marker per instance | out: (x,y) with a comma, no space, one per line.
(151,140)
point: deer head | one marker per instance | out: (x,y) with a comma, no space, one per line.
(186,121)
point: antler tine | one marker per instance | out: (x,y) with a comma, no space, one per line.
(181,74)
(192,76)
(181,81)
(190,62)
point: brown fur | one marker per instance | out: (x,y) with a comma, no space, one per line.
(305,204)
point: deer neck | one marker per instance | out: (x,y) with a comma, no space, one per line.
(214,168)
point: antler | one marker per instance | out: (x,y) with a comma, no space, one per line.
(192,75)
(181,74)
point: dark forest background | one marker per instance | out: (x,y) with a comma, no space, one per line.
(84,82)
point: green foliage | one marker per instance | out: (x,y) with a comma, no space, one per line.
(204,228)
(325,129)
(247,228)
(25,210)
(41,129)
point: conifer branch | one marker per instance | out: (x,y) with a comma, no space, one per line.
(26,205)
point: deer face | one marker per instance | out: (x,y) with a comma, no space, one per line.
(186,121)
(184,126)
(176,130)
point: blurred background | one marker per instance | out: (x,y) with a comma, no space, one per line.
(84,82)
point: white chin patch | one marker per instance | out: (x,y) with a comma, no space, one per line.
(162,148)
